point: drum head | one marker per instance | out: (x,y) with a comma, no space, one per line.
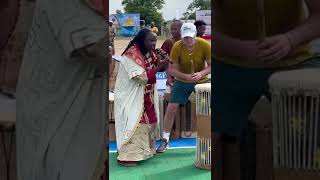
(9,12)
(203,86)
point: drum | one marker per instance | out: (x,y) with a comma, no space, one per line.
(296,126)
(7,139)
(203,114)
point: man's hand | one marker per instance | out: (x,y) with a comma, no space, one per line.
(197,76)
(273,49)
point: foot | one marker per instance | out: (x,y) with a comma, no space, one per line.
(163,146)
(128,163)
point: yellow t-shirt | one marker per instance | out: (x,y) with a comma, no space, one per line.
(199,55)
(239,19)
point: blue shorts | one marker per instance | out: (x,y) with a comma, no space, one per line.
(181,92)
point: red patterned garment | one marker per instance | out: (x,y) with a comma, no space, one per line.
(148,62)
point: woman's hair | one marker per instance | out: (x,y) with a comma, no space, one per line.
(139,40)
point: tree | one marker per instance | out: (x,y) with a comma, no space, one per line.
(198,5)
(185,16)
(148,9)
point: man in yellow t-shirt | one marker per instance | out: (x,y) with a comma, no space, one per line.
(190,64)
(247,52)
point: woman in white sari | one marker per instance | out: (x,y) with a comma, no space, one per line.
(136,108)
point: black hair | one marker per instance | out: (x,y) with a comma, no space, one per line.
(139,40)
(199,23)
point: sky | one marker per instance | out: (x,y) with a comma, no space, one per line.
(168,11)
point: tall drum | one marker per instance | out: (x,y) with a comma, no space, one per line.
(296,126)
(203,114)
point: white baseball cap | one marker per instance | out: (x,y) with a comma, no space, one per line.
(188,30)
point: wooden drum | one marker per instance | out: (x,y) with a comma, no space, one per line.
(296,126)
(203,114)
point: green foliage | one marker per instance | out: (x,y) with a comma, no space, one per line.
(196,5)
(148,10)
(200,5)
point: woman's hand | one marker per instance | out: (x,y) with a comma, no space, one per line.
(162,59)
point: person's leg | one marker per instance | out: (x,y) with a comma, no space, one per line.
(180,94)
(171,110)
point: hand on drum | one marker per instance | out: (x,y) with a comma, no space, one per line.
(273,49)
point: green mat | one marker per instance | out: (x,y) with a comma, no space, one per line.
(174,164)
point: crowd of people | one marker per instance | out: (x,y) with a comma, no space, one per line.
(185,57)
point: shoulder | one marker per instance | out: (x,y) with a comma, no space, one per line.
(202,41)
(177,44)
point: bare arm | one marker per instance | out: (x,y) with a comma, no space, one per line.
(275,48)
(234,47)
(207,70)
(309,30)
(174,71)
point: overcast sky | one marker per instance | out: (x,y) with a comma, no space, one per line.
(168,11)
